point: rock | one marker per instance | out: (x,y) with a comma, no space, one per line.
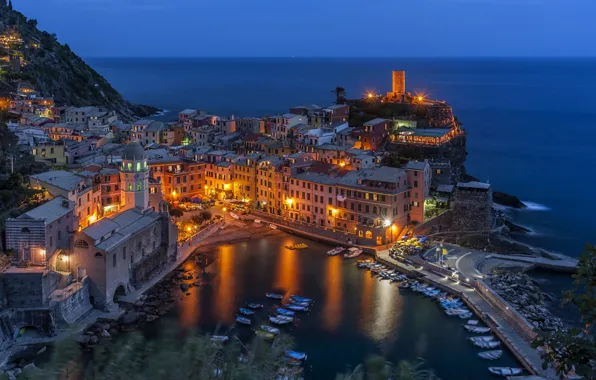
(82,339)
(113,331)
(508,200)
(129,318)
(89,332)
(189,277)
(151,318)
(29,367)
(11,375)
(105,334)
(128,328)
(139,303)
(94,340)
(42,350)
(153,304)
(165,295)
(184,287)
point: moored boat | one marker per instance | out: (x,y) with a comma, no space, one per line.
(255,305)
(219,338)
(335,251)
(477,329)
(281,311)
(295,355)
(404,285)
(505,371)
(485,338)
(300,299)
(246,311)
(264,334)
(243,320)
(274,295)
(296,307)
(269,329)
(352,252)
(472,322)
(272,226)
(279,321)
(487,344)
(285,317)
(491,355)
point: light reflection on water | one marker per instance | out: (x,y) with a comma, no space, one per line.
(354,314)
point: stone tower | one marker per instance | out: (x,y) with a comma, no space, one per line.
(134,178)
(398,82)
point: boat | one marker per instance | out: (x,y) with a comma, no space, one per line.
(219,338)
(465,315)
(335,251)
(269,329)
(272,226)
(279,321)
(487,344)
(477,329)
(255,305)
(505,371)
(485,338)
(490,355)
(276,296)
(352,252)
(234,216)
(243,320)
(246,311)
(299,303)
(297,246)
(301,299)
(472,322)
(366,261)
(296,307)
(285,317)
(404,285)
(281,311)
(264,334)
(295,355)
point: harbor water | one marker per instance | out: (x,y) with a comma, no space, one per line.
(354,314)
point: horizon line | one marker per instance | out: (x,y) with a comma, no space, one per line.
(341,57)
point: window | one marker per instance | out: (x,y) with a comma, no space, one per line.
(138,186)
(330,190)
(415,183)
(98,254)
(81,244)
(360,234)
(415,174)
(123,253)
(138,166)
(130,187)
(129,166)
(368,235)
(114,260)
(416,204)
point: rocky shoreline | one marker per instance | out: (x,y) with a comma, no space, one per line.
(521,292)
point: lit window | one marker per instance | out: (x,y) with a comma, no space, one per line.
(138,166)
(129,166)
(368,235)
(130,187)
(138,186)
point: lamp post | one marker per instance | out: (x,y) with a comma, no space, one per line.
(386,224)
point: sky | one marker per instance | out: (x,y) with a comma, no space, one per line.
(322,28)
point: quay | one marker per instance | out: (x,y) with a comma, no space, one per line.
(560,263)
(508,325)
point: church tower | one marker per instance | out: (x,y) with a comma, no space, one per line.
(134,178)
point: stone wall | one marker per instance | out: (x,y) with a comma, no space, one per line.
(11,321)
(472,211)
(441,222)
(71,303)
(24,289)
(144,270)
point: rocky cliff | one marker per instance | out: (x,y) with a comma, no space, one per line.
(53,69)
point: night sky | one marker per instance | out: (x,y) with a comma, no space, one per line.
(282,28)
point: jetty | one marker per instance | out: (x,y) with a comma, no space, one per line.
(506,323)
(559,263)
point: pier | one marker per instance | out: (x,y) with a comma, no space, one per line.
(512,329)
(560,263)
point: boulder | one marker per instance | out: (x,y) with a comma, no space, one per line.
(129,317)
(94,339)
(105,334)
(30,366)
(184,287)
(82,339)
(151,318)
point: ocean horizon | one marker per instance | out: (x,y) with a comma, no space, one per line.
(529,120)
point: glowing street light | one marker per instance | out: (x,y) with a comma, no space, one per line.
(386,223)
(420,98)
(289,201)
(370,95)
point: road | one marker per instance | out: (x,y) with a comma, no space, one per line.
(464,260)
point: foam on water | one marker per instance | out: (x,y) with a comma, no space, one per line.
(532,206)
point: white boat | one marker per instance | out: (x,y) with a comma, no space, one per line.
(273,226)
(269,329)
(491,355)
(219,338)
(279,321)
(352,252)
(285,317)
(487,344)
(335,251)
(257,221)
(234,216)
(276,296)
(505,371)
(485,338)
(473,322)
(465,315)
(477,329)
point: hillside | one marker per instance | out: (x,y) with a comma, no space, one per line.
(53,69)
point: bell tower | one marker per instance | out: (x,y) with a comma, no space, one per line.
(134,178)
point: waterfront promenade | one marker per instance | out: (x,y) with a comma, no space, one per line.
(499,321)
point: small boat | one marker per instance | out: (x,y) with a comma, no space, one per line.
(269,329)
(289,313)
(352,252)
(335,251)
(255,305)
(243,320)
(276,296)
(296,307)
(487,344)
(246,311)
(273,226)
(219,338)
(485,338)
(295,302)
(295,355)
(264,334)
(505,371)
(472,322)
(297,246)
(285,318)
(301,299)
(365,261)
(465,315)
(476,329)
(234,216)
(292,362)
(279,321)
(490,355)
(404,285)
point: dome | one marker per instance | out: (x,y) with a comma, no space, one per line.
(133,151)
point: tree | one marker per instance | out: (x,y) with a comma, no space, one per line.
(10,4)
(176,212)
(575,349)
(340,95)
(377,368)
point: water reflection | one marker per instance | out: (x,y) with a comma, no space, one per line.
(224,301)
(287,272)
(332,311)
(189,310)
(387,312)
(366,301)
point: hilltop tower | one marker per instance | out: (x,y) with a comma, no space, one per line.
(398,82)
(134,178)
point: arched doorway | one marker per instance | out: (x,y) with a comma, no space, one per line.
(120,292)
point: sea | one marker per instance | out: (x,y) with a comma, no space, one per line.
(531,126)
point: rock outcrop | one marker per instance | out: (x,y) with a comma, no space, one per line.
(507,200)
(55,71)
(522,293)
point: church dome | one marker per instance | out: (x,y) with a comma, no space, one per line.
(133,151)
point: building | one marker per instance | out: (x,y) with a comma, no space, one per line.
(179,178)
(79,115)
(51,152)
(398,83)
(472,207)
(245,178)
(419,179)
(147,132)
(372,135)
(283,124)
(36,235)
